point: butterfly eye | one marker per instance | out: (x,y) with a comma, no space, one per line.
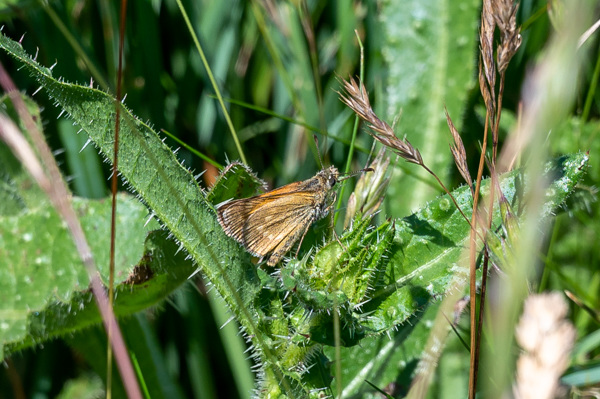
(332,181)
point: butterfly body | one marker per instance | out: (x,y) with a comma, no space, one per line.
(269,224)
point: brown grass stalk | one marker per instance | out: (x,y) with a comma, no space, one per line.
(501,14)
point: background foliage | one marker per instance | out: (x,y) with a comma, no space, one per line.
(419,56)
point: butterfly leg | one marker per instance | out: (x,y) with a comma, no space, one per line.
(302,239)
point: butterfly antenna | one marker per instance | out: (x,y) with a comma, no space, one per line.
(351,174)
(318,151)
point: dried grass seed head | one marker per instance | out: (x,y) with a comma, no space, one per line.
(505,17)
(458,152)
(357,99)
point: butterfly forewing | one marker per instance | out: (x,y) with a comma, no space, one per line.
(260,223)
(282,221)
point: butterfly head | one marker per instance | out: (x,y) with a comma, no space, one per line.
(329,177)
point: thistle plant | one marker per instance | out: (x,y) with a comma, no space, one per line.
(363,313)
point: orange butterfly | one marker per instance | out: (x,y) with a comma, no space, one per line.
(270,223)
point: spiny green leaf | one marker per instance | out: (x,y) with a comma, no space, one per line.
(18,191)
(236,181)
(45,286)
(384,359)
(152,169)
(427,249)
(429,244)
(40,269)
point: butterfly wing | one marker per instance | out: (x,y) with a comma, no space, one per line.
(233,214)
(276,227)
(270,222)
